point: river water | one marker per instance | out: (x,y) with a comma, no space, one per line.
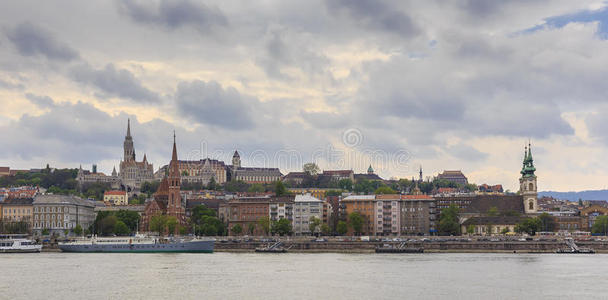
(303,276)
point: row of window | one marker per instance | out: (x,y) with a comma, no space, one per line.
(52,225)
(50,209)
(58,217)
(8,211)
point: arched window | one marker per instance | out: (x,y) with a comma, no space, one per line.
(531,186)
(531,205)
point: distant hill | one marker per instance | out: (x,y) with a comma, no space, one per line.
(574,196)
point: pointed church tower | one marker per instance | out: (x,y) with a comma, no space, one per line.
(527,182)
(128,144)
(174,205)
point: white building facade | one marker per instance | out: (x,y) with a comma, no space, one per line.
(305,207)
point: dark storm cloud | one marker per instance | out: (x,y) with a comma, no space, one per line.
(376,15)
(209,103)
(40,101)
(280,52)
(114,82)
(175,14)
(32,40)
(74,132)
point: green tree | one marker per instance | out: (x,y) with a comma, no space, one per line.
(311,169)
(236,186)
(107,225)
(470,187)
(345,184)
(342,228)
(121,229)
(505,230)
(600,226)
(199,211)
(208,229)
(149,187)
(158,223)
(313,224)
(364,186)
(529,226)
(356,222)
(256,188)
(237,229)
(449,223)
(325,230)
(384,190)
(172,224)
(78,230)
(471,229)
(45,231)
(264,223)
(129,218)
(333,193)
(281,227)
(251,228)
(547,222)
(279,189)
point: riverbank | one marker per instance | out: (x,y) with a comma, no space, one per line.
(428,246)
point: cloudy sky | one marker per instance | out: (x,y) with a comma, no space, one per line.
(442,84)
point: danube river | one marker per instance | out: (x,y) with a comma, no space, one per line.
(302,276)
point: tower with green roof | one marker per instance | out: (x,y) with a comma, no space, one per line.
(527,182)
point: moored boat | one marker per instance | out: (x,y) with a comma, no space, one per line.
(139,245)
(9,244)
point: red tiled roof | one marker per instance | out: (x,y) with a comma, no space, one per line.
(416,197)
(119,193)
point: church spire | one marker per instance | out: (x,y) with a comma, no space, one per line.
(174,155)
(528,168)
(129,127)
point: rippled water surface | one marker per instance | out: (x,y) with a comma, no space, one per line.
(302,276)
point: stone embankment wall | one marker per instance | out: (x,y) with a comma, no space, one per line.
(368,247)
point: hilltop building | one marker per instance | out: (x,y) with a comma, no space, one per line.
(89,177)
(116,197)
(370,175)
(132,172)
(454,176)
(251,175)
